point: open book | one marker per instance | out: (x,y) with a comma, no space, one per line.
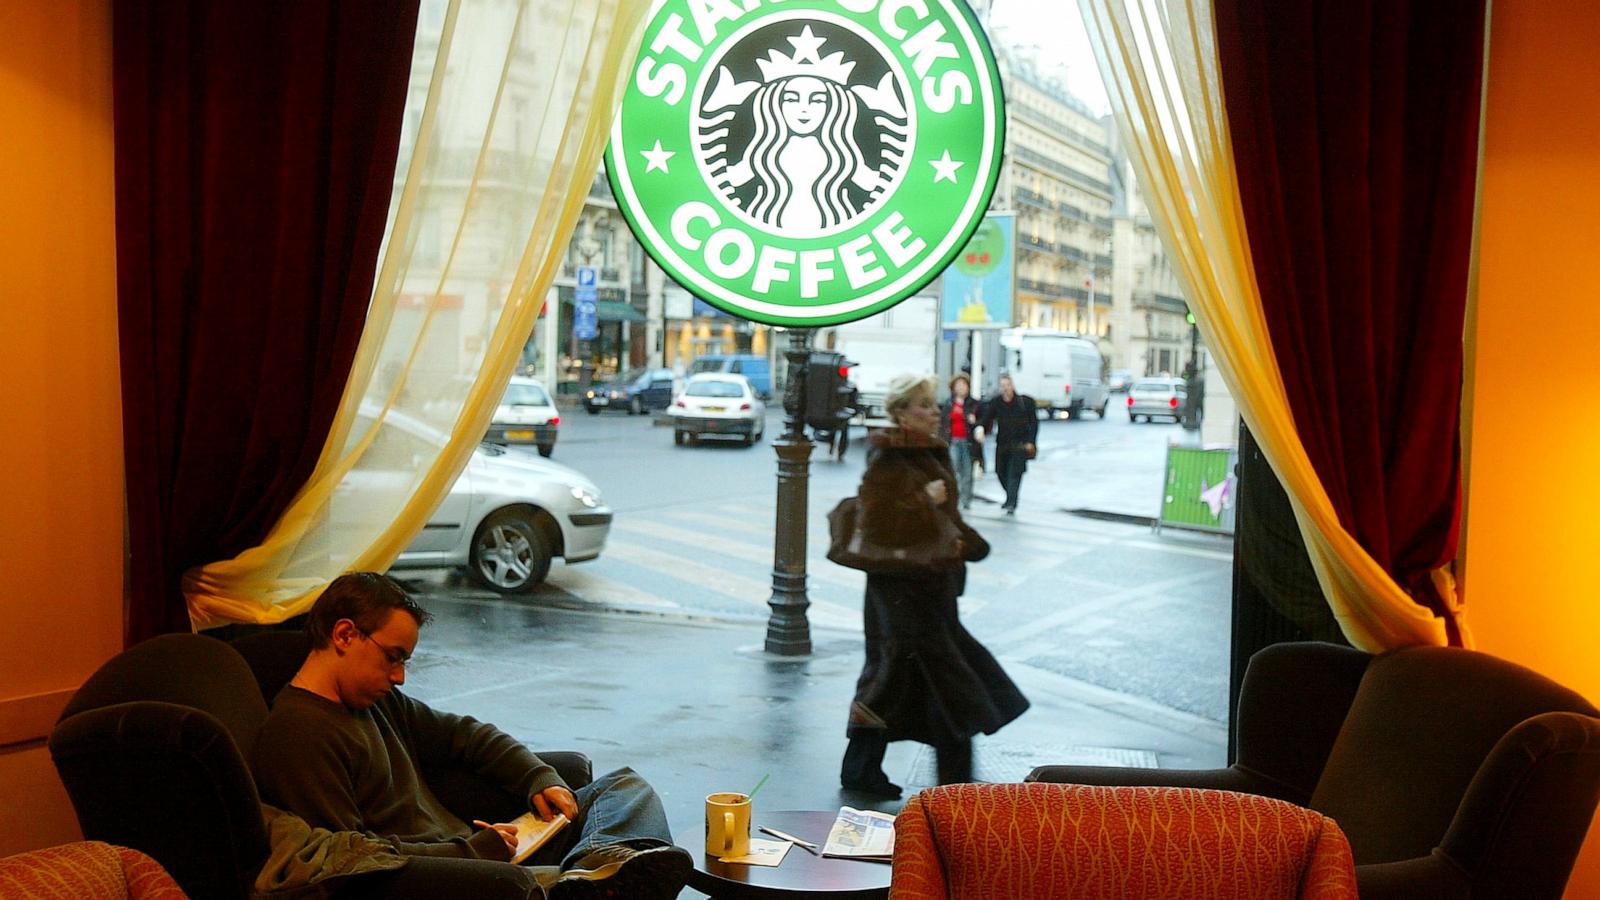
(533,832)
(861,834)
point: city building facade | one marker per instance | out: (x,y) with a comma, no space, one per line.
(1056,177)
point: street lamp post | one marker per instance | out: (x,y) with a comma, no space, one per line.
(788,631)
(1194,394)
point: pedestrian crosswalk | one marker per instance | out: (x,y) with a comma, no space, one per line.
(715,559)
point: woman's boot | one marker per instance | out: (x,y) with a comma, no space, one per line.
(863,764)
(954,762)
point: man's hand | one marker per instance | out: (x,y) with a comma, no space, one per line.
(556,799)
(936,490)
(508,833)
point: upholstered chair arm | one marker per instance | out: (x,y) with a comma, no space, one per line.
(1230,779)
(1525,814)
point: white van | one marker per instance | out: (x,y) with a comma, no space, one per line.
(1058,369)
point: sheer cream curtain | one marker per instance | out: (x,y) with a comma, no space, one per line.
(510,109)
(1159,62)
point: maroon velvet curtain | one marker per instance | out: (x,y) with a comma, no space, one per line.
(1355,132)
(255,153)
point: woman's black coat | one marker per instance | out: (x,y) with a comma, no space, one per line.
(925,678)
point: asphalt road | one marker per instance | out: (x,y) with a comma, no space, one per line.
(1108,603)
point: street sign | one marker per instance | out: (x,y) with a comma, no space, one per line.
(585,326)
(811,162)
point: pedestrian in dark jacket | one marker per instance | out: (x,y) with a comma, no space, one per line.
(958,422)
(925,678)
(1013,420)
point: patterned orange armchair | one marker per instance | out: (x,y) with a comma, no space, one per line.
(1067,841)
(85,869)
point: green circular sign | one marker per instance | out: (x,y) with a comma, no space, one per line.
(808,162)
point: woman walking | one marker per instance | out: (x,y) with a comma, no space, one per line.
(958,419)
(925,678)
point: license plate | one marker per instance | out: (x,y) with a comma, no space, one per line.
(600,401)
(715,408)
(523,435)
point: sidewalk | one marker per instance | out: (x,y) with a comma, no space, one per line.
(697,706)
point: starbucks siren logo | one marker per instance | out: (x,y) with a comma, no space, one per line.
(808,163)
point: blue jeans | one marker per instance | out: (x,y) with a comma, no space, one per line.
(616,807)
(961,458)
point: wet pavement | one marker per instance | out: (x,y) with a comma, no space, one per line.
(651,656)
(696,706)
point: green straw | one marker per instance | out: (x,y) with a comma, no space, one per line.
(752,794)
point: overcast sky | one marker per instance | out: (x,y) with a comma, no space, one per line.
(1055,27)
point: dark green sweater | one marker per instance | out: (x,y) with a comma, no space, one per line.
(361,770)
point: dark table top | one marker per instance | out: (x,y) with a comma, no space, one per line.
(801,875)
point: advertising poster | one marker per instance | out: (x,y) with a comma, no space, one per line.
(980,282)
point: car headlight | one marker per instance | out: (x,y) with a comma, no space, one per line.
(586,497)
(591,395)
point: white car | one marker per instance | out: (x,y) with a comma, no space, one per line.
(506,517)
(718,404)
(1151,397)
(526,415)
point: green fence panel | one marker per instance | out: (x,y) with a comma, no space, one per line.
(1199,487)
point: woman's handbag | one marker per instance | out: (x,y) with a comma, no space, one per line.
(850,546)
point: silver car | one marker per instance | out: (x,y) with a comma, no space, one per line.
(1151,397)
(507,515)
(717,404)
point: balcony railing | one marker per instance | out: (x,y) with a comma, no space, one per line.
(1033,157)
(1032,198)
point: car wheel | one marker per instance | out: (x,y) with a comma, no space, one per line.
(510,555)
(635,408)
(1101,411)
(546,449)
(677,437)
(593,410)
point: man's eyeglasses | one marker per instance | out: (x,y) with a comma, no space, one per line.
(396,656)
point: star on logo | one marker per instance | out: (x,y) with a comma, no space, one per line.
(806,45)
(945,168)
(657,158)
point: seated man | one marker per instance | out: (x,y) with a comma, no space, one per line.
(346,751)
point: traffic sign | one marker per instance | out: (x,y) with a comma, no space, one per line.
(811,162)
(585,323)
(587,278)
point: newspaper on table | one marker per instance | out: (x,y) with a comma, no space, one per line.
(861,834)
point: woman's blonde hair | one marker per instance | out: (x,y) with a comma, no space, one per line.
(905,388)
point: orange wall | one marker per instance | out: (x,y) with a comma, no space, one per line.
(1533,501)
(61,518)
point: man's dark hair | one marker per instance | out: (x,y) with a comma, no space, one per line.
(365,598)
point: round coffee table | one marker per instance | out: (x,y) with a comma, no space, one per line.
(801,876)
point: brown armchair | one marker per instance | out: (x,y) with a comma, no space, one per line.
(152,750)
(1070,841)
(1452,772)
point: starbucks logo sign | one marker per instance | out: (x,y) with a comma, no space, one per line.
(812,161)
